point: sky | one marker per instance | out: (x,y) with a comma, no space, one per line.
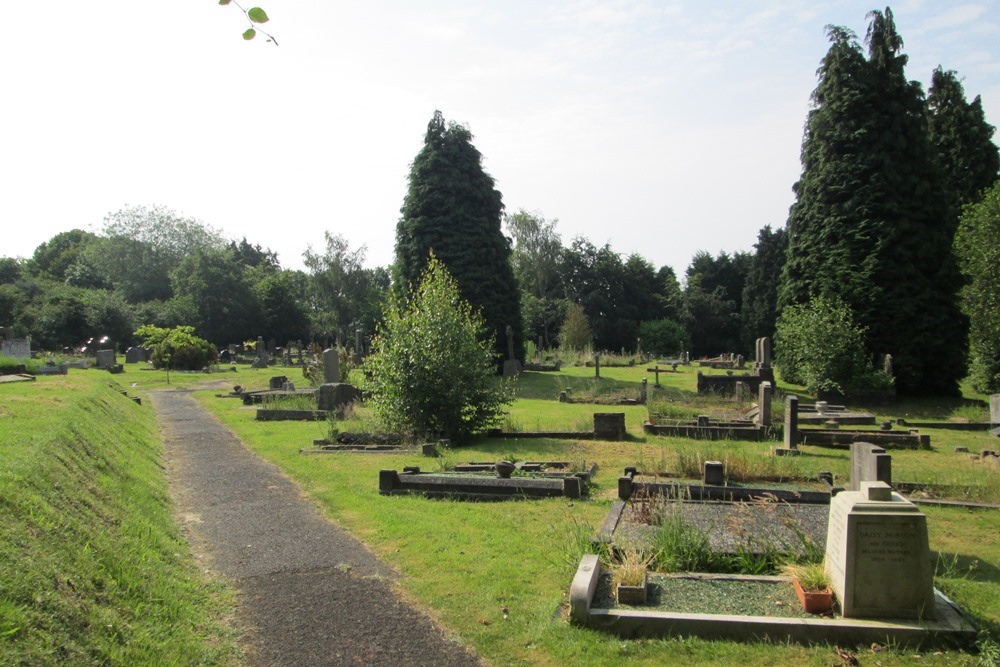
(660,128)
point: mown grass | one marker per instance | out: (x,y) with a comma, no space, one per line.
(93,571)
(498,574)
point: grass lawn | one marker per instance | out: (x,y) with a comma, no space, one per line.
(497,574)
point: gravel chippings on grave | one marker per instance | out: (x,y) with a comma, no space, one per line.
(732,525)
(311,594)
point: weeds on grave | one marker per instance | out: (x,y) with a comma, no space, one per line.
(629,567)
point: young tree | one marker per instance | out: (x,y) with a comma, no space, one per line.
(575,333)
(432,371)
(453,209)
(868,222)
(978,246)
(818,345)
(535,259)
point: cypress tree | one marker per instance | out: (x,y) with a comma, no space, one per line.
(870,222)
(453,208)
(760,292)
(962,140)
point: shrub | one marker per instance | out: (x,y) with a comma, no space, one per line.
(177,348)
(433,370)
(664,337)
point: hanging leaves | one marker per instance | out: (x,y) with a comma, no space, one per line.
(257,15)
(254,15)
(249,33)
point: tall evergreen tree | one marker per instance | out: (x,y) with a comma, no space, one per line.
(453,208)
(760,292)
(869,223)
(963,141)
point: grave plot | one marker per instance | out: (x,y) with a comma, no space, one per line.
(503,485)
(551,469)
(834,436)
(359,442)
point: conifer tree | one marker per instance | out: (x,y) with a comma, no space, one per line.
(453,208)
(869,224)
(963,141)
(760,292)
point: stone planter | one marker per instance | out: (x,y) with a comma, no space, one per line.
(631,594)
(814,602)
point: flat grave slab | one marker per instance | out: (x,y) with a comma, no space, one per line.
(474,487)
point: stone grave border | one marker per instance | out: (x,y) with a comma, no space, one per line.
(551,469)
(951,627)
(474,487)
(711,430)
(627,485)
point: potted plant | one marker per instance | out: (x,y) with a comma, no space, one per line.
(812,585)
(628,576)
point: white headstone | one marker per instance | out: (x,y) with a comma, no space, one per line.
(877,555)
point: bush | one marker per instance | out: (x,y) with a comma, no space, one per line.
(818,345)
(177,348)
(664,337)
(433,369)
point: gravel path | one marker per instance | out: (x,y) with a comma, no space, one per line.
(311,594)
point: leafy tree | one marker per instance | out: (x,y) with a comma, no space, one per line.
(963,141)
(818,345)
(343,295)
(253,256)
(453,208)
(594,278)
(575,333)
(280,298)
(59,317)
(54,258)
(177,348)
(213,283)
(11,270)
(142,246)
(978,246)
(535,259)
(108,314)
(432,371)
(713,299)
(867,225)
(664,337)
(760,292)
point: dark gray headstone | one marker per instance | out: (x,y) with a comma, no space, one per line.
(714,473)
(791,422)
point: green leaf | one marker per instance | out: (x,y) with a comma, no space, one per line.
(250,33)
(224,2)
(257,15)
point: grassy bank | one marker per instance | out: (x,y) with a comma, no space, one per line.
(92,569)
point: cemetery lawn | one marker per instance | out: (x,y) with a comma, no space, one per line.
(93,569)
(497,575)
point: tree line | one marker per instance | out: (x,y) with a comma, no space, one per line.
(890,177)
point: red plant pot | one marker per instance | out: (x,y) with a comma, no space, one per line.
(814,602)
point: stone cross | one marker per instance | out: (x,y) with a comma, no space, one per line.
(655,370)
(869,463)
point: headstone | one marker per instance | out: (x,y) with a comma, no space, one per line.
(511,366)
(106,359)
(132,355)
(869,463)
(331,366)
(277,382)
(702,421)
(791,422)
(763,356)
(764,396)
(791,444)
(18,348)
(995,409)
(887,365)
(714,473)
(740,391)
(357,347)
(609,426)
(643,391)
(597,365)
(878,556)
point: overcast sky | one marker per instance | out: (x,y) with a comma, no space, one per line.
(662,128)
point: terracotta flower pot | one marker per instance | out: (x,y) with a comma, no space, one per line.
(814,602)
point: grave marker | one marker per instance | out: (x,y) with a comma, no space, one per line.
(995,409)
(878,556)
(764,396)
(869,463)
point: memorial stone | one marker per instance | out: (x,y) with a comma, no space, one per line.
(878,556)
(714,473)
(331,366)
(764,397)
(106,359)
(791,422)
(869,463)
(995,409)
